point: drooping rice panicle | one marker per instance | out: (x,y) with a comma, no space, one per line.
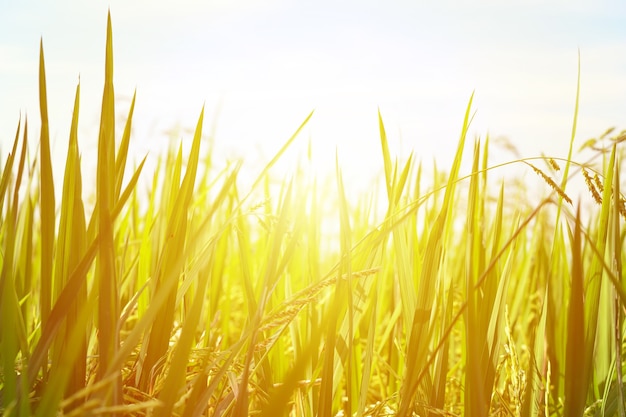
(592,186)
(553,164)
(551,183)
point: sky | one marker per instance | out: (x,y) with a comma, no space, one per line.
(260,67)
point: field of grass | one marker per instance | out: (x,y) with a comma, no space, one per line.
(459,296)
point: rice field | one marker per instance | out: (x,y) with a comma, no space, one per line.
(461,295)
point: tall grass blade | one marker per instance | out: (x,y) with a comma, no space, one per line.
(617,266)
(576,352)
(12,332)
(23,270)
(106,271)
(13,328)
(477,387)
(276,157)
(7,170)
(47,203)
(404,267)
(386,157)
(595,274)
(71,244)
(122,153)
(346,268)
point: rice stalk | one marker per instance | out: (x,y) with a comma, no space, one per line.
(47,201)
(7,170)
(575,384)
(13,333)
(595,273)
(405,273)
(71,244)
(618,208)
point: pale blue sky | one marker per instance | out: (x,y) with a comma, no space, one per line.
(269,63)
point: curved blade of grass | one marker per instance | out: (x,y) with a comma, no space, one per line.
(276,157)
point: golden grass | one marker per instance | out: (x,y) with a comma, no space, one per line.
(198,298)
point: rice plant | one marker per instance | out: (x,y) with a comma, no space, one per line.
(462,295)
